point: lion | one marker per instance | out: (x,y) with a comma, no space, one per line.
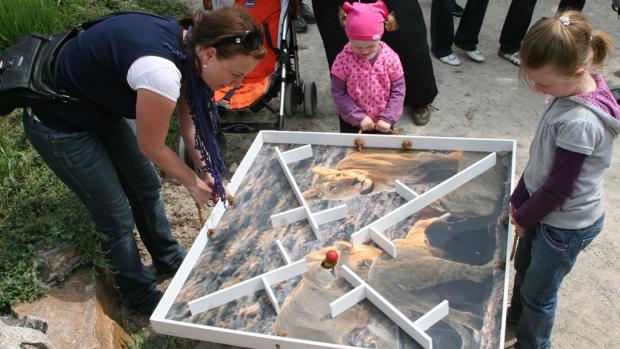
(418,268)
(369,172)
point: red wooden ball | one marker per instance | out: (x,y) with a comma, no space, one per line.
(331,256)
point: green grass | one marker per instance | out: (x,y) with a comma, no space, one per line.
(21,17)
(25,16)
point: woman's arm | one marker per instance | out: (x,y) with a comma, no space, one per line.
(153,114)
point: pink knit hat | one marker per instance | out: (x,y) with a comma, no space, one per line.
(365,21)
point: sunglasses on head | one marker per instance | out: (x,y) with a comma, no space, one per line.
(251,40)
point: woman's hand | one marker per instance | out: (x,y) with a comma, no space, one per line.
(367,124)
(382,126)
(202,191)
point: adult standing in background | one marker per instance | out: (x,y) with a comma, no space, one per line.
(408,41)
(518,21)
(466,36)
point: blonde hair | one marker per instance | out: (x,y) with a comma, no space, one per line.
(390,22)
(566,41)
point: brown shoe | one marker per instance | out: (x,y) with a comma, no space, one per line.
(421,115)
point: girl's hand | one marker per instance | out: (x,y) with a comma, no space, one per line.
(519,230)
(367,124)
(382,126)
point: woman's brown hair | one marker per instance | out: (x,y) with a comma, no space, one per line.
(566,41)
(211,28)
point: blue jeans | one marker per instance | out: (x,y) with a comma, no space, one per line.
(120,189)
(544,257)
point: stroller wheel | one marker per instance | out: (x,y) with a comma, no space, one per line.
(290,100)
(310,98)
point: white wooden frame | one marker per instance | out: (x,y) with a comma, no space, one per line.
(305,140)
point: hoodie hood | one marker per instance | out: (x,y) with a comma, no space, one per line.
(602,103)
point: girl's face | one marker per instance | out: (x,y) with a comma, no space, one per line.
(365,49)
(549,81)
(220,73)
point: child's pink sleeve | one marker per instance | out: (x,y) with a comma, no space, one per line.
(340,68)
(394,67)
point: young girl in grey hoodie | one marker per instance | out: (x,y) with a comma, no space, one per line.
(557,206)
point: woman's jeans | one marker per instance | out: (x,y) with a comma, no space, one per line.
(544,257)
(442,26)
(120,189)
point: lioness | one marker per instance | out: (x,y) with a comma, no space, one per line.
(368,172)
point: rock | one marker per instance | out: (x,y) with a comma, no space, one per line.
(55,264)
(34,322)
(14,337)
(81,314)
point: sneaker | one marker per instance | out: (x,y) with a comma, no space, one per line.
(475,55)
(421,115)
(450,59)
(510,57)
(457,10)
(307,14)
(300,25)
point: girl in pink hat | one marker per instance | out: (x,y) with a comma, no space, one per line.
(368,84)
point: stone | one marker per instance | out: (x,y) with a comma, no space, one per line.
(15,337)
(81,313)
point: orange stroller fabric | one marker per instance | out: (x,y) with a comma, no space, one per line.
(256,84)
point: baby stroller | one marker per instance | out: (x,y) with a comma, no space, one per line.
(277,73)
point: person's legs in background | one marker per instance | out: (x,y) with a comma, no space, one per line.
(442,32)
(457,10)
(518,21)
(466,36)
(409,41)
(515,26)
(571,5)
(330,29)
(305,17)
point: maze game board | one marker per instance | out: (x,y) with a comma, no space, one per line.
(415,224)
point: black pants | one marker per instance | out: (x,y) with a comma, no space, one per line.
(442,26)
(409,42)
(518,21)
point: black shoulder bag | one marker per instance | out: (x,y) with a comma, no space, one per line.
(27,68)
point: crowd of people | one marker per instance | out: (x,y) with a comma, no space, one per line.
(150,66)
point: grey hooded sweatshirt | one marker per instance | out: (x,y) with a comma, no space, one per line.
(580,126)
